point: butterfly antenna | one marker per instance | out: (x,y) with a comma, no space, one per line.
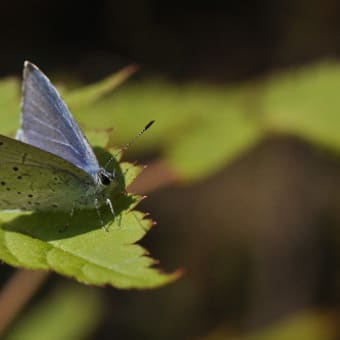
(128,145)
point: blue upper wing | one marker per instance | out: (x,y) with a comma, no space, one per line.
(48,124)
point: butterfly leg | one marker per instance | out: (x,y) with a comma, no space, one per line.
(109,203)
(99,214)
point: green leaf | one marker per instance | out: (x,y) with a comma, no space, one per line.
(70,312)
(89,94)
(100,138)
(199,129)
(129,108)
(9,105)
(305,103)
(304,326)
(85,250)
(213,140)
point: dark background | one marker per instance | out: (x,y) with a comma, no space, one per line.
(287,268)
(218,42)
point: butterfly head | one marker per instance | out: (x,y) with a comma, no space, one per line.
(105,177)
(106,184)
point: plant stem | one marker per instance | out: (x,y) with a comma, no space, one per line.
(17,292)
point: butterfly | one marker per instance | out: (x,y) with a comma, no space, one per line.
(51,165)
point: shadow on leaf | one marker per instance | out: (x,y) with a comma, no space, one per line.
(48,226)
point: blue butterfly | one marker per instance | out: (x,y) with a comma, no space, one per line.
(52,165)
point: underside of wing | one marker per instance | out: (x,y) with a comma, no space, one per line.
(14,151)
(26,187)
(33,179)
(48,124)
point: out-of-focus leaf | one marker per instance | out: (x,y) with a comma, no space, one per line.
(70,313)
(305,103)
(213,140)
(198,128)
(306,326)
(9,105)
(99,138)
(89,94)
(129,108)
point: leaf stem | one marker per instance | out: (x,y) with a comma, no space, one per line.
(17,292)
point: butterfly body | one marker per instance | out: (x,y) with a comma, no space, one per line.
(51,166)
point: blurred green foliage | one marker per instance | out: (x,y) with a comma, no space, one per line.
(304,326)
(200,128)
(308,325)
(304,103)
(9,105)
(70,312)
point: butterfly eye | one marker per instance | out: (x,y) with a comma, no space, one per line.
(105,177)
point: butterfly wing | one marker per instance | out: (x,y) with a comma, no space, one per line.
(48,124)
(33,179)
